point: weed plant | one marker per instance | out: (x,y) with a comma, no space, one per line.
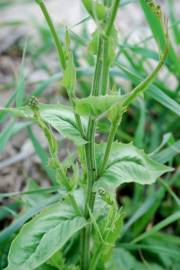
(81,226)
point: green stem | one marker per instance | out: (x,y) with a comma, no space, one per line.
(91,164)
(148,81)
(105,70)
(65,182)
(58,43)
(106,64)
(112,17)
(56,163)
(101,247)
(114,127)
(62,60)
(97,75)
(60,52)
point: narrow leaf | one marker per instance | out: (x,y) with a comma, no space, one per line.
(174,217)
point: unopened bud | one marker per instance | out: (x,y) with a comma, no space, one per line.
(33,102)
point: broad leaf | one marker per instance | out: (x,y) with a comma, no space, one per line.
(127,164)
(58,116)
(97,106)
(43,236)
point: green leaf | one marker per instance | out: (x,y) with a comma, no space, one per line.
(11,129)
(58,116)
(46,267)
(96,106)
(20,89)
(127,164)
(123,260)
(16,225)
(42,154)
(174,217)
(168,153)
(153,91)
(43,236)
(69,80)
(158,33)
(95,9)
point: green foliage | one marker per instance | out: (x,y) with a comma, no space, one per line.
(51,229)
(127,164)
(58,116)
(99,106)
(83,226)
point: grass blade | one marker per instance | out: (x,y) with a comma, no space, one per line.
(174,217)
(42,155)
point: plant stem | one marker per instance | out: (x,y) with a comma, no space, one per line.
(101,247)
(55,161)
(57,42)
(91,164)
(106,39)
(112,17)
(62,60)
(99,86)
(148,81)
(105,71)
(114,127)
(60,52)
(63,179)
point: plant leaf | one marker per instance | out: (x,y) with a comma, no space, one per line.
(58,116)
(20,88)
(43,236)
(95,9)
(11,129)
(42,154)
(69,79)
(170,219)
(153,91)
(158,33)
(127,164)
(96,106)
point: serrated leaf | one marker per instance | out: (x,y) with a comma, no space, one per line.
(58,116)
(127,164)
(43,236)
